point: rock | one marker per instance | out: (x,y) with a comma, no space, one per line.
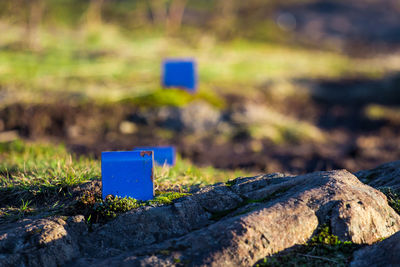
(77,224)
(196,117)
(217,199)
(42,242)
(199,117)
(385,253)
(249,114)
(270,221)
(386,175)
(168,117)
(244,185)
(233,224)
(92,187)
(150,225)
(127,127)
(155,224)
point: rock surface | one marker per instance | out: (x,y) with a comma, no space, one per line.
(272,213)
(233,224)
(42,242)
(198,117)
(385,253)
(386,175)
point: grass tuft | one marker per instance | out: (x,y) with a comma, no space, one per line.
(38,167)
(97,209)
(175,98)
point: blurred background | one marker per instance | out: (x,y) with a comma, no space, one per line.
(293,86)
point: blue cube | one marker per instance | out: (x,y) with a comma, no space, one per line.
(162,154)
(180,73)
(127,174)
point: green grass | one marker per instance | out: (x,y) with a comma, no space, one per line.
(38,176)
(185,175)
(43,166)
(174,97)
(30,165)
(97,209)
(107,65)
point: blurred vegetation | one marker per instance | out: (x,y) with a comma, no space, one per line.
(380,112)
(283,129)
(226,18)
(174,97)
(109,50)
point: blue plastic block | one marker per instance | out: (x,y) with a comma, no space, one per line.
(181,73)
(162,154)
(127,174)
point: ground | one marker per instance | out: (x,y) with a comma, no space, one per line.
(43,180)
(82,89)
(268,100)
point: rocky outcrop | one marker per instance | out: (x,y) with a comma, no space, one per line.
(386,175)
(41,242)
(271,213)
(385,253)
(233,224)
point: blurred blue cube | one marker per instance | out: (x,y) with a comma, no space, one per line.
(127,174)
(162,154)
(181,73)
